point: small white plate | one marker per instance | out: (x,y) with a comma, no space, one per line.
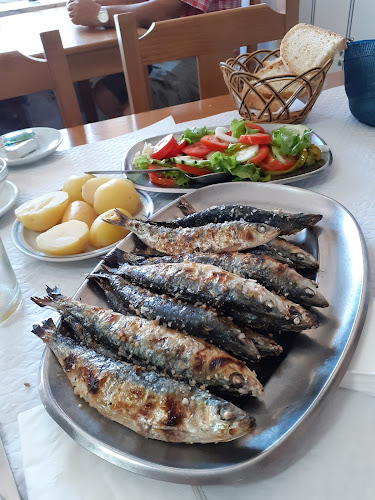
(8,196)
(49,140)
(24,238)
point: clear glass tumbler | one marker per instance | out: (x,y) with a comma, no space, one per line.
(10,292)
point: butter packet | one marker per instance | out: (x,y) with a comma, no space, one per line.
(12,138)
(21,149)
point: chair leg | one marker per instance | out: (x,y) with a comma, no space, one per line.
(87,101)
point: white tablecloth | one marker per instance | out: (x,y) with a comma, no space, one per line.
(350,180)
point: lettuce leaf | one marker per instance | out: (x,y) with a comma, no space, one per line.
(238,128)
(195,134)
(291,141)
(219,162)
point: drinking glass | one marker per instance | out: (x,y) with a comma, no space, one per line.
(10,292)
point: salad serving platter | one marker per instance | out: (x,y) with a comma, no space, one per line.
(300,384)
(142,181)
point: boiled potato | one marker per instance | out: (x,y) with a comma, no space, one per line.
(80,210)
(66,238)
(117,193)
(89,188)
(43,212)
(73,186)
(103,234)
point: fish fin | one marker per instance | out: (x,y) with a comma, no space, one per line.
(114,258)
(185,207)
(121,219)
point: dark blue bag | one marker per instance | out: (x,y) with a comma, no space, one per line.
(359,67)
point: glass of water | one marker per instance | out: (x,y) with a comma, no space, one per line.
(10,292)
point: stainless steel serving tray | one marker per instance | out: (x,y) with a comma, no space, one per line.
(142,181)
(301,383)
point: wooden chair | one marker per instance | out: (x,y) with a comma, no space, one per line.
(205,36)
(22,75)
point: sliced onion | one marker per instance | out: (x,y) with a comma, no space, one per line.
(221,133)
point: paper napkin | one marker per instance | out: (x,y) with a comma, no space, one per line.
(360,375)
(57,468)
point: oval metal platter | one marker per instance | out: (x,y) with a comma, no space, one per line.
(299,385)
(143,182)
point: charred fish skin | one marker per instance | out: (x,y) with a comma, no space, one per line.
(288,223)
(225,237)
(299,257)
(211,285)
(153,405)
(126,298)
(271,274)
(189,358)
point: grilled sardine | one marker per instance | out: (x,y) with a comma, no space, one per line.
(213,286)
(288,223)
(225,237)
(189,358)
(268,272)
(125,298)
(153,405)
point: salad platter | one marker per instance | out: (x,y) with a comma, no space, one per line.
(300,384)
(271,154)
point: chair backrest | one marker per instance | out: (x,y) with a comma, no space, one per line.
(210,37)
(22,75)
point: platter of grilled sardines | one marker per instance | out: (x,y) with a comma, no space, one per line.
(214,330)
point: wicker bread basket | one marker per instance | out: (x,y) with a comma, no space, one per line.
(282,99)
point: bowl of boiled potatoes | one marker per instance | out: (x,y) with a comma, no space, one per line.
(71,221)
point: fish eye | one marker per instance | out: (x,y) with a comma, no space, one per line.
(261,228)
(225,412)
(309,292)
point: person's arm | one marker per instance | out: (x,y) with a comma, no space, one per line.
(85,12)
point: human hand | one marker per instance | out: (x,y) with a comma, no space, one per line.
(84,12)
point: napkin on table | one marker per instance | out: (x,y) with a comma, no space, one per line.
(57,468)
(360,375)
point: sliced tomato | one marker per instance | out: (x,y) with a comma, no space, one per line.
(159,178)
(255,138)
(254,126)
(214,143)
(262,153)
(163,147)
(272,165)
(197,149)
(177,150)
(193,170)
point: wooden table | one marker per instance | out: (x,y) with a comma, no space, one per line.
(91,52)
(107,129)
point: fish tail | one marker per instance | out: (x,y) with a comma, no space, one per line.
(185,207)
(115,258)
(53,294)
(45,330)
(118,219)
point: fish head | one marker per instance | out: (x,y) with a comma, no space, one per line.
(221,421)
(265,233)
